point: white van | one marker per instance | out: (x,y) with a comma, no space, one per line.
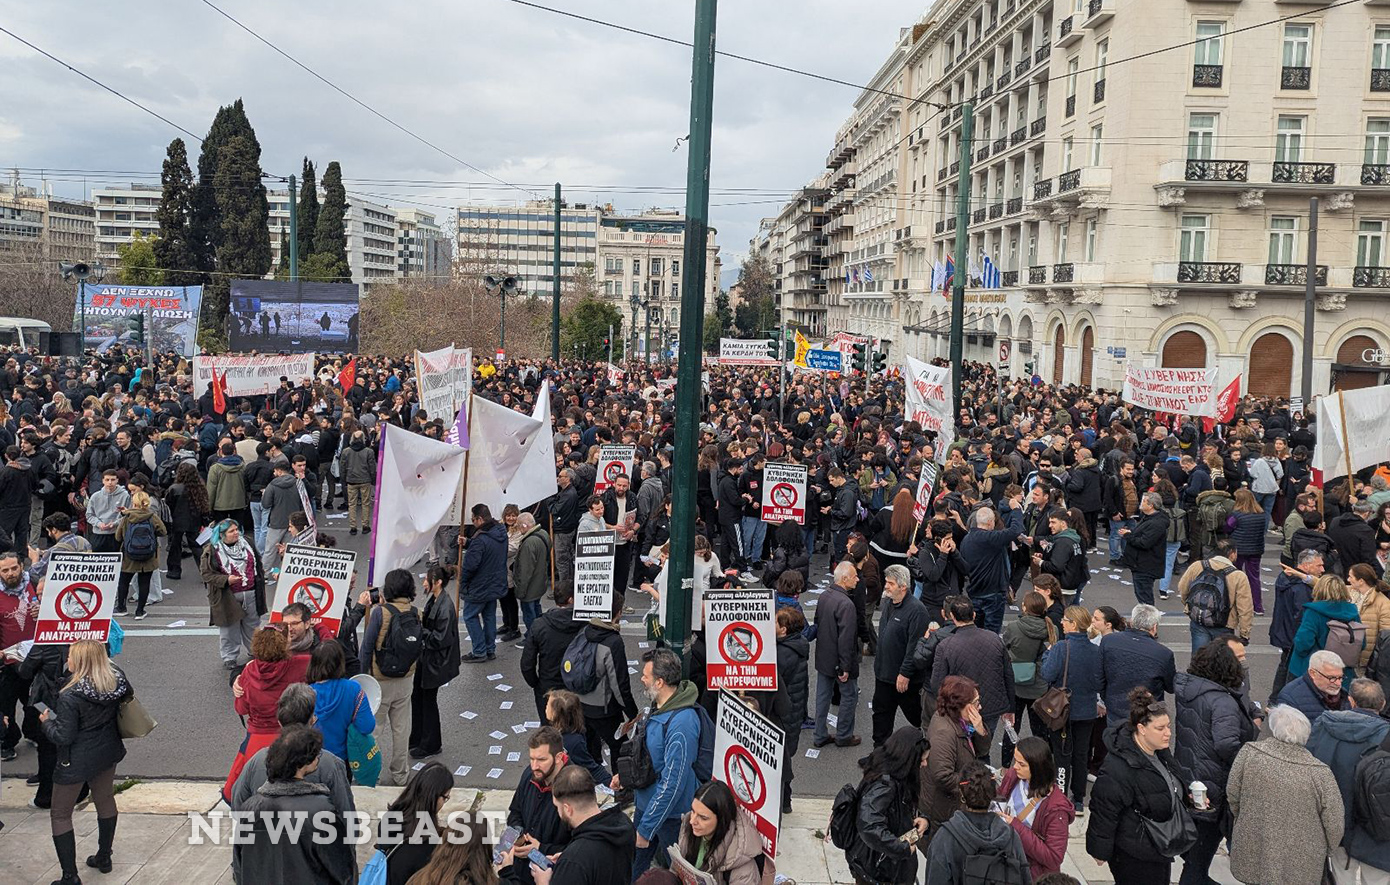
(24,332)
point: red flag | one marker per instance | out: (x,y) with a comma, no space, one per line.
(1225,406)
(348,376)
(219,393)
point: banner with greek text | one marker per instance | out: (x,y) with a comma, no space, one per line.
(252,375)
(112,311)
(930,402)
(744,352)
(1175,391)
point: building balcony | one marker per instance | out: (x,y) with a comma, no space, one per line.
(943,173)
(941,226)
(987,91)
(1375,174)
(1042,190)
(1014,206)
(1098,12)
(1207,76)
(1017,136)
(1237,171)
(996,211)
(1040,66)
(1255,180)
(1063,273)
(1098,93)
(1008,279)
(978,216)
(951,223)
(1038,127)
(1371,277)
(1303,173)
(1068,31)
(982,154)
(1380,79)
(1295,78)
(1001,143)
(1004,80)
(1223,273)
(1023,65)
(955,167)
(1037,275)
(1293,275)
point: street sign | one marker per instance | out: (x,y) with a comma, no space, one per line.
(748,759)
(319,577)
(612,461)
(824,360)
(745,640)
(1121,353)
(593,575)
(78,599)
(784,493)
(1004,350)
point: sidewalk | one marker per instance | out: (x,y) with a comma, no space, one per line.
(152,838)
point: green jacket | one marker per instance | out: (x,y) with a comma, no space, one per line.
(531,570)
(227,484)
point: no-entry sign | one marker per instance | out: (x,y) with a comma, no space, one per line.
(319,577)
(784,493)
(78,598)
(740,626)
(748,759)
(612,461)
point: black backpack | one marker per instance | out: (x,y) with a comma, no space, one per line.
(991,869)
(140,543)
(1208,602)
(1370,800)
(579,669)
(844,817)
(635,767)
(401,646)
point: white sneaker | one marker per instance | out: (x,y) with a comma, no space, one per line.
(747,577)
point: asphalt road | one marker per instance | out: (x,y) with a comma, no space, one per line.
(173,662)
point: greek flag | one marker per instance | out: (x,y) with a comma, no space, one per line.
(991,274)
(868,274)
(938,274)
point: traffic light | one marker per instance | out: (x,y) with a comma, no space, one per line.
(774,347)
(880,361)
(860,358)
(136,322)
(1028,369)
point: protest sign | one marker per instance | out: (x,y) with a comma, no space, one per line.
(593,575)
(319,577)
(1175,391)
(741,626)
(443,379)
(612,462)
(113,313)
(252,375)
(1353,431)
(748,759)
(784,492)
(922,505)
(742,352)
(931,403)
(78,598)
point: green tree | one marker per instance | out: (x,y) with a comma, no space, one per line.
(757,310)
(718,321)
(329,261)
(244,250)
(308,211)
(205,224)
(174,253)
(586,324)
(282,270)
(139,266)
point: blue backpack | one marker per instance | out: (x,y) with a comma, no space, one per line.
(141,543)
(374,873)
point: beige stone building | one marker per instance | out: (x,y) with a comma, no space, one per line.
(64,229)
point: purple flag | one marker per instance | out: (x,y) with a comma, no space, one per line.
(457,434)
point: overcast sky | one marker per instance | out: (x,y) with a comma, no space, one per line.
(519,93)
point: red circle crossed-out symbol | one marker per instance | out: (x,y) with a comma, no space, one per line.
(79,602)
(784,494)
(313,592)
(740,643)
(613,471)
(745,778)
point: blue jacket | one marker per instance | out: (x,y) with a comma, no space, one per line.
(334,709)
(1129,659)
(673,740)
(1338,740)
(986,555)
(577,748)
(1290,595)
(1312,634)
(1083,674)
(483,575)
(1303,696)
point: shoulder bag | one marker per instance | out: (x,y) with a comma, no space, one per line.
(132,719)
(1176,835)
(1054,707)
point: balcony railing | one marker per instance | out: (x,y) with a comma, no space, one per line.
(940,226)
(1226,272)
(955,114)
(1380,79)
(1066,27)
(1371,277)
(1042,189)
(1071,105)
(1069,181)
(1000,143)
(955,167)
(1024,64)
(1009,278)
(1304,173)
(1293,275)
(1015,204)
(1295,78)
(1017,136)
(1063,273)
(943,173)
(1098,94)
(1004,79)
(978,215)
(1038,126)
(1207,75)
(1375,173)
(986,92)
(1043,52)
(1217,170)
(951,222)
(1037,275)
(982,154)
(996,211)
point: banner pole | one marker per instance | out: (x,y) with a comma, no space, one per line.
(468,453)
(1346,441)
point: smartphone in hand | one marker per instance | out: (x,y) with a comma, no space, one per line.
(539,859)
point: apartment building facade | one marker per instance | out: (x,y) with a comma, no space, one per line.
(519,241)
(121,213)
(422,250)
(63,229)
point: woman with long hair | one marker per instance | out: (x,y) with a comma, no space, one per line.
(423,798)
(1247,525)
(1026,639)
(1073,664)
(1036,805)
(340,702)
(84,732)
(1371,595)
(719,840)
(145,529)
(891,782)
(463,857)
(189,510)
(894,527)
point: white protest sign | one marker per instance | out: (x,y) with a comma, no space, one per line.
(252,375)
(742,352)
(612,461)
(1364,415)
(442,380)
(931,403)
(1174,391)
(593,575)
(741,626)
(924,490)
(784,493)
(78,598)
(748,759)
(319,577)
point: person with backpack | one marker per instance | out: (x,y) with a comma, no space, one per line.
(673,737)
(1330,621)
(1213,507)
(1065,553)
(1339,739)
(439,663)
(138,533)
(977,844)
(543,651)
(594,666)
(1212,592)
(1365,850)
(483,581)
(104,508)
(391,648)
(1372,598)
(869,821)
(189,510)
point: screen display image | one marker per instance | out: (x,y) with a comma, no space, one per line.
(302,317)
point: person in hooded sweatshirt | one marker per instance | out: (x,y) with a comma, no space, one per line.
(544,649)
(278,501)
(357,467)
(339,702)
(602,842)
(256,692)
(227,486)
(610,703)
(974,830)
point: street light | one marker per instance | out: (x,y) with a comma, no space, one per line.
(503,286)
(81,271)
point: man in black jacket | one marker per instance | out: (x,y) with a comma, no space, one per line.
(1146,547)
(1354,538)
(601,844)
(837,657)
(978,654)
(544,649)
(730,513)
(532,811)
(897,684)
(16,491)
(564,511)
(1083,489)
(844,512)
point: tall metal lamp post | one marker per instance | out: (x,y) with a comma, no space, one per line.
(503,285)
(82,272)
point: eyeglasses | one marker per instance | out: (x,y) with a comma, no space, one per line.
(1328,676)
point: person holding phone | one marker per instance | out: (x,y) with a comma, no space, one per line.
(531,812)
(602,842)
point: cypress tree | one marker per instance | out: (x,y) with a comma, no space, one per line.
(330,235)
(173,250)
(243,234)
(308,211)
(205,226)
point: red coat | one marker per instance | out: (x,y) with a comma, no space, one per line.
(17,617)
(1045,842)
(263,682)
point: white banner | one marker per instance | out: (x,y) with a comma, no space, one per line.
(931,402)
(925,484)
(748,759)
(252,375)
(1366,440)
(741,628)
(319,577)
(613,461)
(742,352)
(593,575)
(1174,391)
(416,479)
(79,596)
(513,460)
(442,380)
(784,493)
